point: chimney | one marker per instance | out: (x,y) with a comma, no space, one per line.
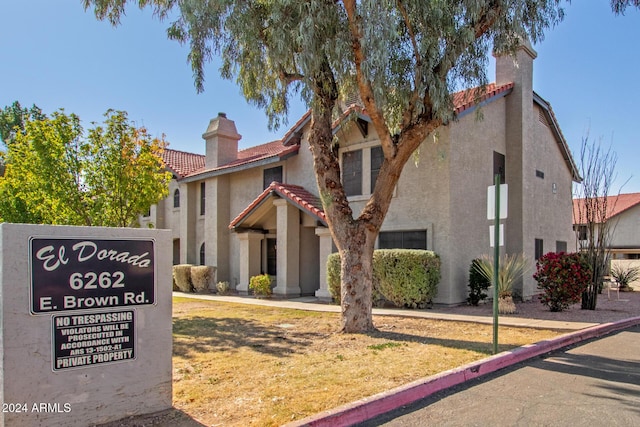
(221,139)
(517,69)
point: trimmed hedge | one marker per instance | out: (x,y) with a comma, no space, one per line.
(404,277)
(202,277)
(182,277)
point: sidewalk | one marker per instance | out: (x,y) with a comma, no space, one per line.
(312,304)
(522,393)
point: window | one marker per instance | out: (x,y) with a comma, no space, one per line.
(352,172)
(561,246)
(539,250)
(176,198)
(270,175)
(202,198)
(147,214)
(202,254)
(272,258)
(499,167)
(581,230)
(377,157)
(414,239)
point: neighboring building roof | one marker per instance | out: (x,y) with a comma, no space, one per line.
(181,163)
(615,205)
(297,195)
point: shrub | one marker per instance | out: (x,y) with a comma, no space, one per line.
(404,277)
(624,276)
(223,288)
(510,268)
(260,285)
(478,284)
(562,277)
(182,277)
(202,276)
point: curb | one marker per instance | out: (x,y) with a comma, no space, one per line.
(370,407)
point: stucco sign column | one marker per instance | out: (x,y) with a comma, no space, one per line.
(326,247)
(249,258)
(288,252)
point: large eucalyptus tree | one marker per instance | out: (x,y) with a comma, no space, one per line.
(404,57)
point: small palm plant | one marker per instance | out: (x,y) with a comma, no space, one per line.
(510,269)
(624,276)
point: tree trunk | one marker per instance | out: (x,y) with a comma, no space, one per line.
(356,276)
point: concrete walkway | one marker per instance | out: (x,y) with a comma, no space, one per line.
(312,304)
(596,384)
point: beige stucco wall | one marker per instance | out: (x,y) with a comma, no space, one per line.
(626,229)
(474,139)
(547,208)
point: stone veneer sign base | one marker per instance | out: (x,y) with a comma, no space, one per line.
(85,324)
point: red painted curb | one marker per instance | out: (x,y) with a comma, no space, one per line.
(370,407)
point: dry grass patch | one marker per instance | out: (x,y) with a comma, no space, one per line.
(237,365)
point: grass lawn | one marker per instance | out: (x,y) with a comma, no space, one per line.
(241,365)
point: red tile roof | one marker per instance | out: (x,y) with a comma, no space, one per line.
(182,163)
(469,98)
(615,206)
(297,195)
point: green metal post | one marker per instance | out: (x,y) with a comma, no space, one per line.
(496,264)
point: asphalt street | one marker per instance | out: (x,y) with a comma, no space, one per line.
(594,383)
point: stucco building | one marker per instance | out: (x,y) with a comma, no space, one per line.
(256,210)
(623,215)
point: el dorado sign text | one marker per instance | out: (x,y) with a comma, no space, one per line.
(80,274)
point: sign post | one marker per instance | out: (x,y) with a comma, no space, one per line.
(495,212)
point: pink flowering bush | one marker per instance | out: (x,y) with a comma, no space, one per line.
(562,277)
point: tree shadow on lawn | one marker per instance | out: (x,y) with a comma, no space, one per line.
(231,334)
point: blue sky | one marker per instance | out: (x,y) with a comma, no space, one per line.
(56,55)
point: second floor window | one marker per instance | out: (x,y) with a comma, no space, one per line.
(270,175)
(352,172)
(202,198)
(176,198)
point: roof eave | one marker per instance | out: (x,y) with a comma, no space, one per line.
(242,167)
(555,128)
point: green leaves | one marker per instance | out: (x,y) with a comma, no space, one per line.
(54,175)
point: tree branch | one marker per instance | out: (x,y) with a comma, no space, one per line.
(408,113)
(364,86)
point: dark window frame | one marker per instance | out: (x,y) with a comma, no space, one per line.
(377,158)
(176,198)
(270,175)
(389,239)
(538,248)
(202,198)
(499,167)
(352,172)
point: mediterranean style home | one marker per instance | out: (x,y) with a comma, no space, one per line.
(623,212)
(257,210)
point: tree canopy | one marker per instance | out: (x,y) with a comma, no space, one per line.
(56,175)
(403,58)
